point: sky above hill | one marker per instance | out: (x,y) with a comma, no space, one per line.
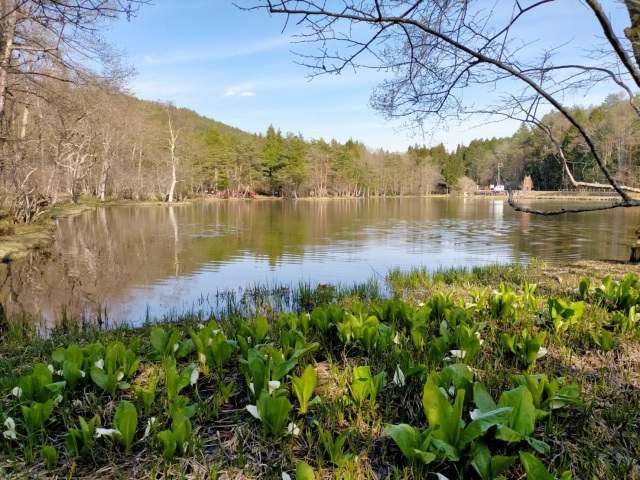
(239,68)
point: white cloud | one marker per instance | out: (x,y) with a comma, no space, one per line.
(232,92)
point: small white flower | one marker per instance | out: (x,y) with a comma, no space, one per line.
(100,364)
(398,377)
(11,425)
(285,476)
(252,388)
(120,376)
(60,373)
(200,326)
(194,376)
(248,339)
(458,353)
(210,340)
(82,374)
(541,353)
(185,447)
(202,358)
(421,304)
(58,399)
(396,339)
(215,332)
(175,347)
(293,429)
(77,403)
(50,367)
(16,392)
(150,423)
(475,413)
(106,432)
(452,390)
(273,386)
(253,410)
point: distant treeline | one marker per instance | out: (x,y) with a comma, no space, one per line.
(101,142)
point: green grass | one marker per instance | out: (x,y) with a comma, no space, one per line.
(598,438)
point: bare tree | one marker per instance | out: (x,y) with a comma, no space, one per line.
(437,50)
(38,34)
(174,134)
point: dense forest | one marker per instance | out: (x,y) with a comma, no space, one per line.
(102,142)
(67,131)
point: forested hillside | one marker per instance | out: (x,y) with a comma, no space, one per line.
(531,150)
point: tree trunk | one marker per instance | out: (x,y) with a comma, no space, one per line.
(103,180)
(5,60)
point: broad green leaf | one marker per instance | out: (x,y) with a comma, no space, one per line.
(273,411)
(483,423)
(446,450)
(169,444)
(524,412)
(440,412)
(482,399)
(158,338)
(304,471)
(411,442)
(126,421)
(534,468)
(283,368)
(304,386)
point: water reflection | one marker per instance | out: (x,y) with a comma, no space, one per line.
(133,259)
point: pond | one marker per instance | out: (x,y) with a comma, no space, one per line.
(156,260)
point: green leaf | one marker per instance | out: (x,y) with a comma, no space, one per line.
(361,385)
(523,416)
(304,386)
(534,468)
(440,412)
(169,444)
(481,461)
(283,368)
(304,471)
(106,382)
(482,399)
(50,456)
(158,339)
(538,445)
(412,442)
(273,411)
(126,421)
(483,423)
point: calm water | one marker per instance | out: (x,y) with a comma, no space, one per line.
(163,259)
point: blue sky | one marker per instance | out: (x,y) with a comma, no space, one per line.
(238,67)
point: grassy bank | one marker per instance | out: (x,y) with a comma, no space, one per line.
(429,381)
